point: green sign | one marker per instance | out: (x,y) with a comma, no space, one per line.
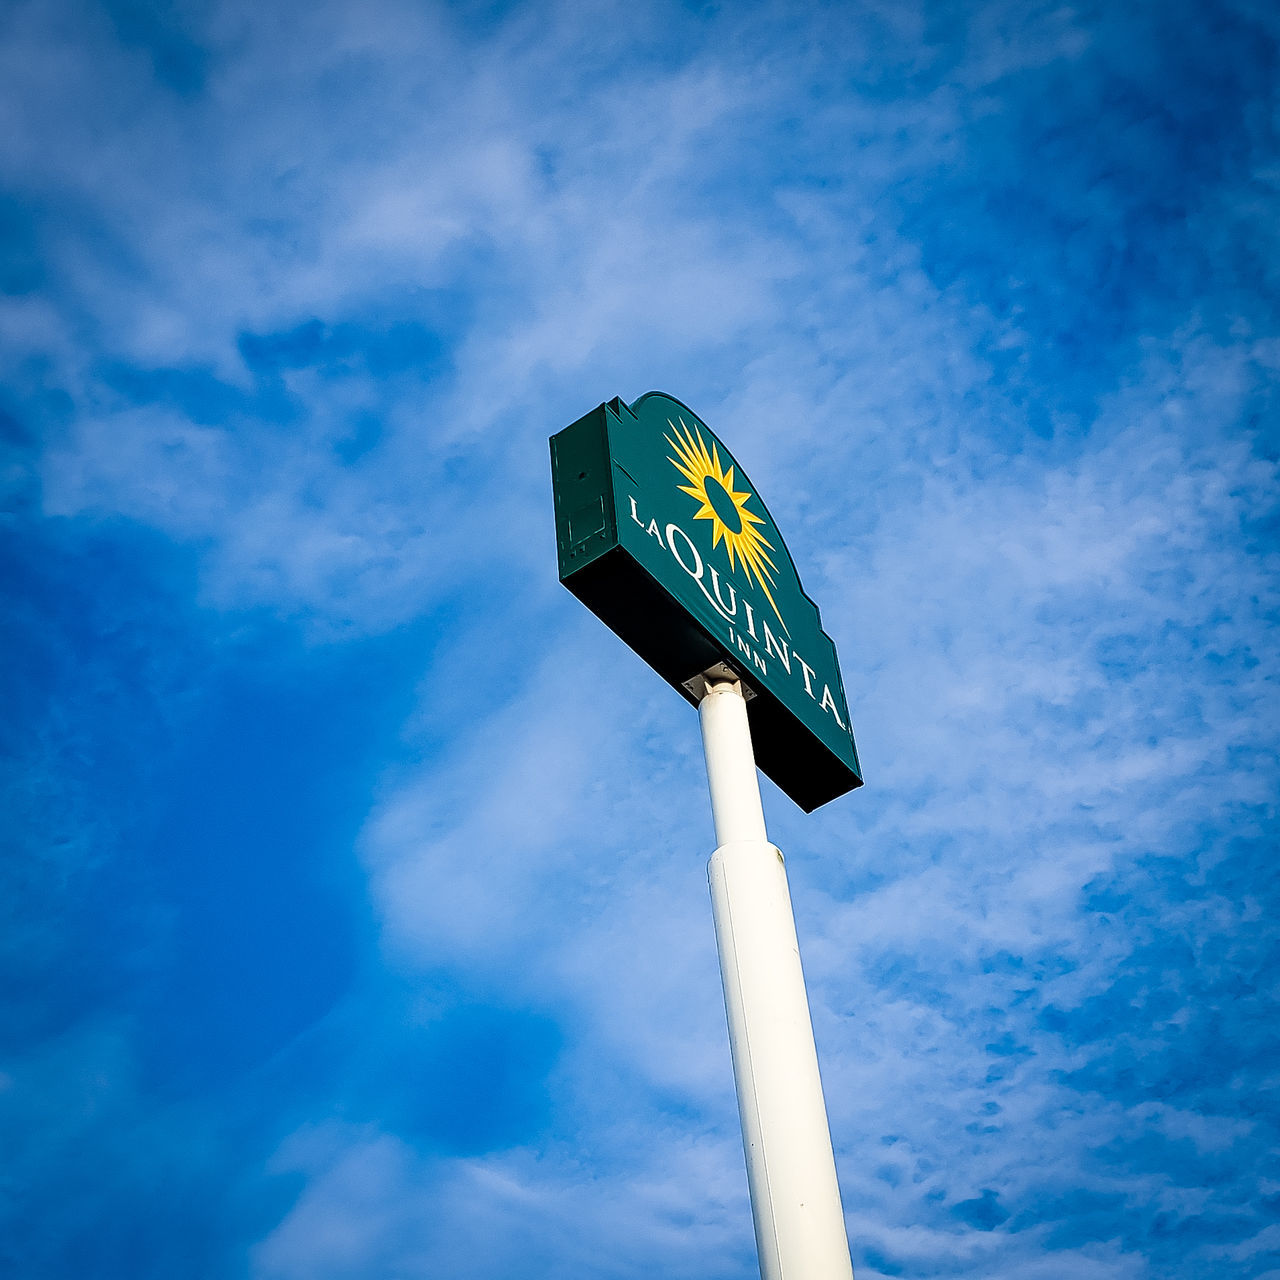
(662,535)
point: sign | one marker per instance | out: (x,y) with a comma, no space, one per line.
(660,533)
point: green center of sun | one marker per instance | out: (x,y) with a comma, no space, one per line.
(723,505)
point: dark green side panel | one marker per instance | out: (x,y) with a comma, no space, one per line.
(586,523)
(662,535)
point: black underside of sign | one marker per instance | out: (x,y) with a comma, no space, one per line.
(631,603)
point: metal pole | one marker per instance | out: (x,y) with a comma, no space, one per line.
(791,1171)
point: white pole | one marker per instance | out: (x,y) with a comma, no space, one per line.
(791,1171)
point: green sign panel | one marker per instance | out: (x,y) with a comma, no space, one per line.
(662,535)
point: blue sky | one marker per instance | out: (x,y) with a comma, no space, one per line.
(355,920)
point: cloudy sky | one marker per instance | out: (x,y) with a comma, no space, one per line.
(354,909)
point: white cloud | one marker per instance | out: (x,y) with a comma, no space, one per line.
(1033,637)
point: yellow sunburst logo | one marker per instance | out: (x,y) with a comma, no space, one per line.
(732,522)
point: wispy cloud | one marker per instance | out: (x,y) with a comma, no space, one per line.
(358,911)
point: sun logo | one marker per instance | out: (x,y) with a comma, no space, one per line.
(731,522)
